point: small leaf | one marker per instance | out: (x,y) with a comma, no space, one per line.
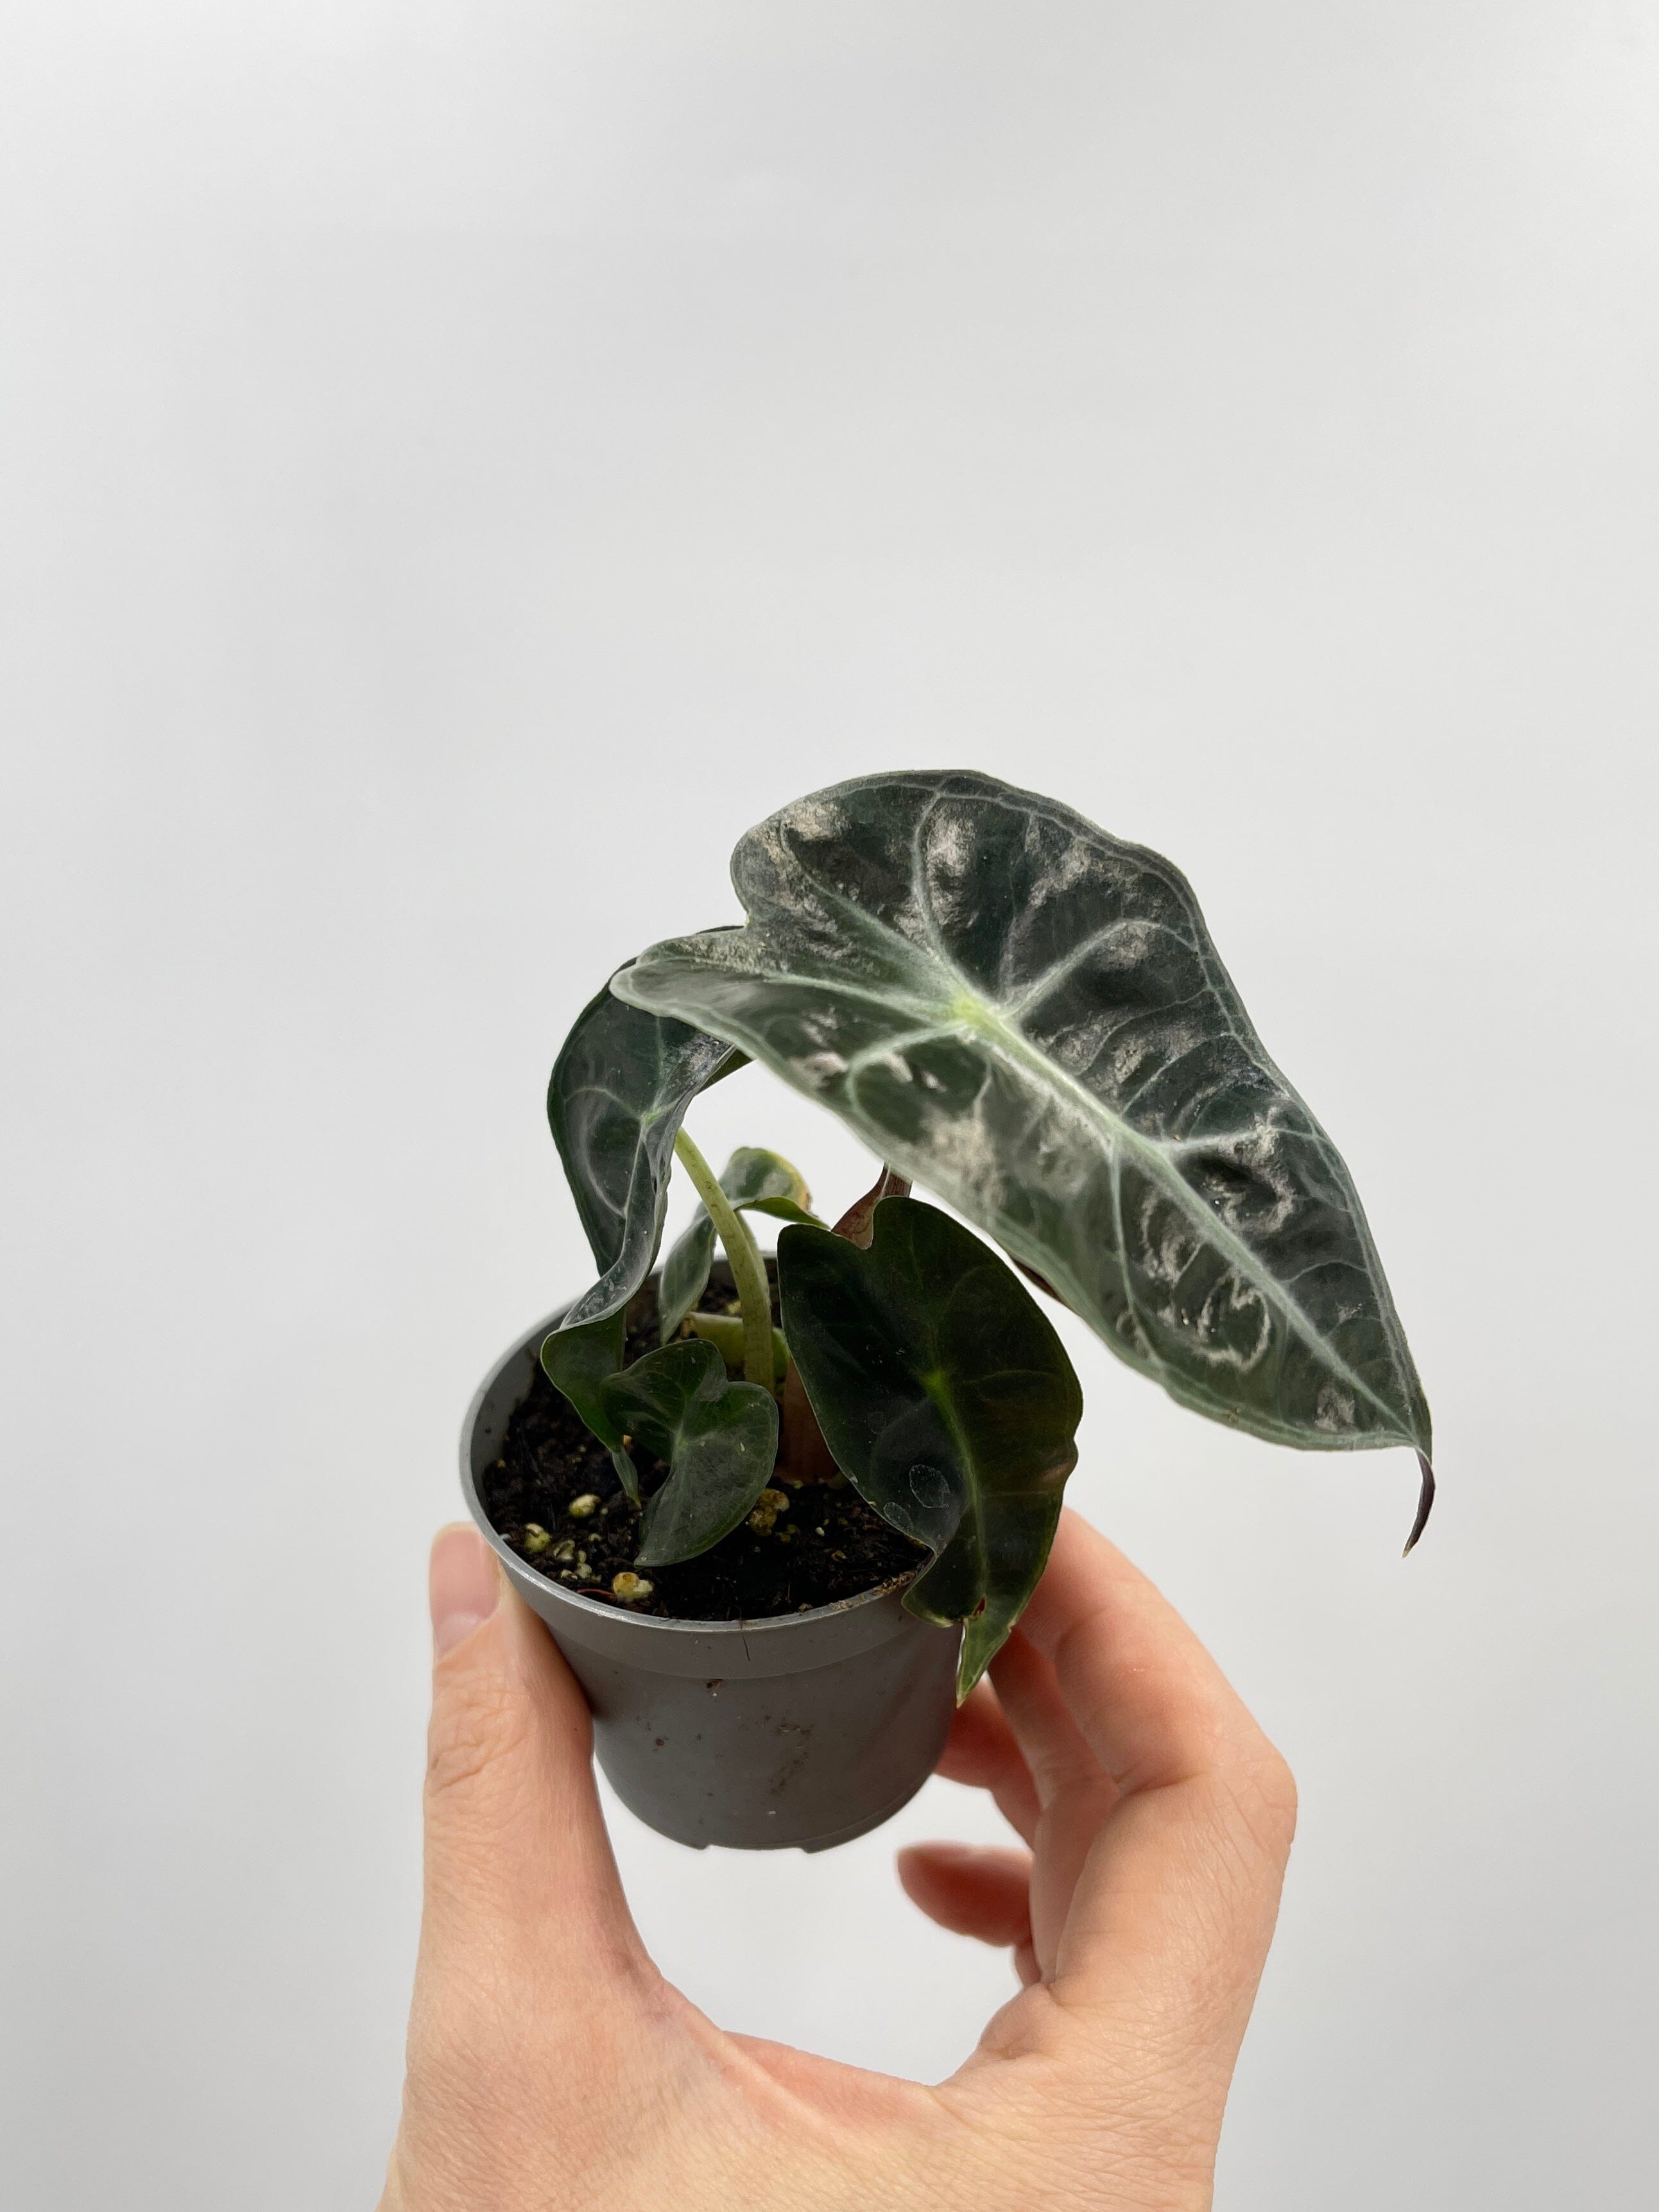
(947,1399)
(755,1181)
(578,1361)
(802,1450)
(719,1439)
(1029,1017)
(627,1474)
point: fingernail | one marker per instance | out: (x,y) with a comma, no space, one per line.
(463,1583)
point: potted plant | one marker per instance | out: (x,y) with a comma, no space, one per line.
(778,1518)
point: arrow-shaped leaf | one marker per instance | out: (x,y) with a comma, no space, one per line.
(719,1439)
(1029,1017)
(619,1092)
(755,1181)
(579,1361)
(946,1398)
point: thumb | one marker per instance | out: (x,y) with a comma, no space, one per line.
(518,1866)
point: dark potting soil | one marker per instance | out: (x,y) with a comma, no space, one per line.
(826,1544)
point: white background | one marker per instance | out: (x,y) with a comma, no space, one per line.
(464,462)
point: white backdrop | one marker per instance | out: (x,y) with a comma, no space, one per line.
(467,460)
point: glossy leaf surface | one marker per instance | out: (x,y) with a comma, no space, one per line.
(619,1091)
(1028,1015)
(578,1361)
(720,1439)
(620,1088)
(946,1398)
(755,1181)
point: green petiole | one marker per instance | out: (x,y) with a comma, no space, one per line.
(747,1268)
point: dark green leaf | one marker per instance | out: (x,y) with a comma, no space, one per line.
(855,1223)
(1029,1017)
(578,1361)
(946,1398)
(719,1439)
(619,1092)
(755,1181)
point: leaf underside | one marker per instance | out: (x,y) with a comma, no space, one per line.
(1028,1015)
(946,1397)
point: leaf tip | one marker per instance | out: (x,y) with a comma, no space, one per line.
(1425,1504)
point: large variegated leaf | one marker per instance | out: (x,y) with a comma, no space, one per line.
(946,1397)
(620,1088)
(1028,1015)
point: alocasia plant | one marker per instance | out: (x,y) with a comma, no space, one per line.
(1027,1018)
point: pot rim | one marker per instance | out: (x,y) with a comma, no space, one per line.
(742,1629)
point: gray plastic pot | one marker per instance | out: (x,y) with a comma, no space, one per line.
(807,1729)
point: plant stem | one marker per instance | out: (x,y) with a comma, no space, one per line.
(747,1268)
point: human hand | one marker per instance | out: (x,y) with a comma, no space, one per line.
(551,2065)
